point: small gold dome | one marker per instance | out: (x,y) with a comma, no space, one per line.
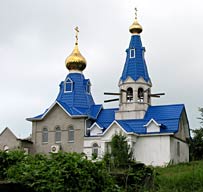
(135,28)
(75,61)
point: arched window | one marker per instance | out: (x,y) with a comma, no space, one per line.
(45,135)
(95,149)
(68,85)
(140,95)
(58,135)
(129,94)
(71,134)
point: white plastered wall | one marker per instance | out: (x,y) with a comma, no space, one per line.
(88,143)
(105,139)
(153,150)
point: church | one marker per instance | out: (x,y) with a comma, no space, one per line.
(157,134)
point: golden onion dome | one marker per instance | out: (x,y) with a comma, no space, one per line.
(135,28)
(75,61)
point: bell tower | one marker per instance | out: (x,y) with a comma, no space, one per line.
(134,84)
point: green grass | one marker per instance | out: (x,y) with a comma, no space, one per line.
(187,177)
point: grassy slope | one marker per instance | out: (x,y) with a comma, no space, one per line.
(183,177)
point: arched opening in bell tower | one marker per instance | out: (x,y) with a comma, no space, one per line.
(140,95)
(129,94)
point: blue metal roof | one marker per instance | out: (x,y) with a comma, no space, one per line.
(166,115)
(78,97)
(106,117)
(135,67)
(162,112)
(138,126)
(77,101)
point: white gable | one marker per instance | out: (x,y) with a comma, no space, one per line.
(152,126)
(113,129)
(95,130)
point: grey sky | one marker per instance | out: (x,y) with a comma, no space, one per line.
(37,36)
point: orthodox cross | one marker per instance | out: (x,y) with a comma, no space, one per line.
(135,12)
(76,36)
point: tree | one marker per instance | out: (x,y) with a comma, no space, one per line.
(128,175)
(121,152)
(196,144)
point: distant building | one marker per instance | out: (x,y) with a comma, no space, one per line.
(8,141)
(157,134)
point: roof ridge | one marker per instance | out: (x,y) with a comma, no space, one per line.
(162,105)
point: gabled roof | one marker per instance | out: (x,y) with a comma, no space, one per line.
(168,116)
(106,117)
(8,131)
(71,111)
(135,67)
(163,112)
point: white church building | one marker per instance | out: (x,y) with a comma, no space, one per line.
(158,134)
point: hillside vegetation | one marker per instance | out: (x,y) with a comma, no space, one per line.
(187,177)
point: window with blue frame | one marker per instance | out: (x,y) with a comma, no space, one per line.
(132,53)
(68,86)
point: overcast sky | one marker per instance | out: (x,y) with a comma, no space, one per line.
(37,35)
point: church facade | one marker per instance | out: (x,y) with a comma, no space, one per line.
(157,135)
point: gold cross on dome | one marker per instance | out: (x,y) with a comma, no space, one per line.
(135,12)
(76,36)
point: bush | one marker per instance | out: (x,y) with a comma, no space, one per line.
(137,177)
(8,159)
(61,172)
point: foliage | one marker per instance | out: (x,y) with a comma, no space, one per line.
(196,144)
(185,177)
(61,172)
(121,154)
(8,159)
(73,172)
(137,177)
(128,174)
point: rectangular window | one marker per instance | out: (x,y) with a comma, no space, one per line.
(178,149)
(132,53)
(71,134)
(68,86)
(45,135)
(58,136)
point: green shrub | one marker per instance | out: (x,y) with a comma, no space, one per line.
(8,159)
(137,177)
(61,172)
